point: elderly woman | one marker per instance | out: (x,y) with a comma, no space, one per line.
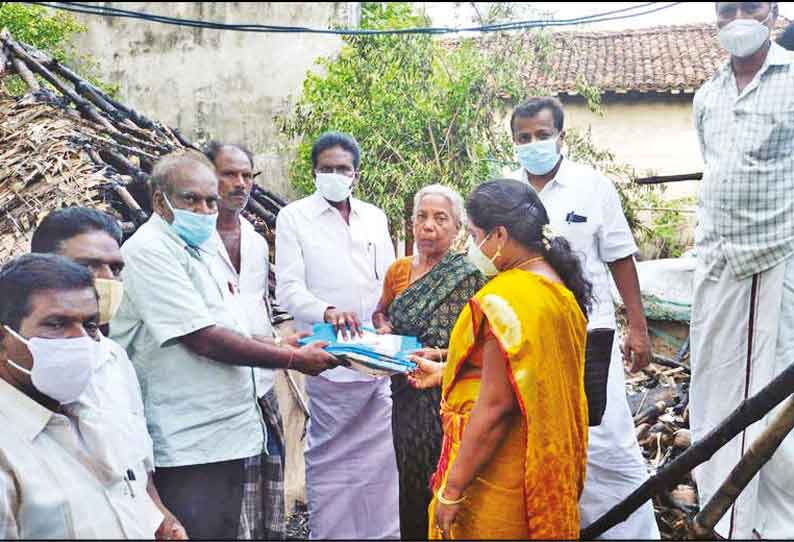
(422,296)
(513,403)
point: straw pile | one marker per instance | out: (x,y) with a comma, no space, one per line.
(68,143)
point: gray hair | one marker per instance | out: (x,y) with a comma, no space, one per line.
(455,201)
(165,170)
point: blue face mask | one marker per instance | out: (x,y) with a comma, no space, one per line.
(193,228)
(539,157)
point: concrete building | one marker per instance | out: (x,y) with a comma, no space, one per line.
(211,83)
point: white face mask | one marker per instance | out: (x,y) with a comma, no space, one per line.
(333,186)
(62,368)
(479,260)
(743,37)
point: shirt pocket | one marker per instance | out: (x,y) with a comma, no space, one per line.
(766,135)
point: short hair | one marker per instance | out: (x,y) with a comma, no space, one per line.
(26,275)
(533,106)
(786,38)
(164,171)
(329,140)
(63,224)
(454,198)
(215,147)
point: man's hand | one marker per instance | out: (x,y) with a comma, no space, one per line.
(313,360)
(637,348)
(385,329)
(346,322)
(170,529)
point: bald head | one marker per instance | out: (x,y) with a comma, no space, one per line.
(185,181)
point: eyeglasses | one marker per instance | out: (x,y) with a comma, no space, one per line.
(347,171)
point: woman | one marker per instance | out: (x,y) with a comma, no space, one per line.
(422,296)
(513,405)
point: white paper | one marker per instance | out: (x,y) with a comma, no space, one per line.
(387,345)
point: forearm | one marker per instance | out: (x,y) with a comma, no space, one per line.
(226,346)
(624,271)
(151,489)
(485,432)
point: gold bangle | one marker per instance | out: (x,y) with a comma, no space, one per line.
(447,502)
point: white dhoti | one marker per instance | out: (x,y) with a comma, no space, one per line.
(742,336)
(352,483)
(615,466)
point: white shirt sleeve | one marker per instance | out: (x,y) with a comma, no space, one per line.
(291,291)
(697,114)
(615,240)
(9,503)
(388,248)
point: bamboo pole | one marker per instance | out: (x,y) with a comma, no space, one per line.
(761,451)
(748,412)
(84,106)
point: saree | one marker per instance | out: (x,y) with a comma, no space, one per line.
(427,309)
(531,486)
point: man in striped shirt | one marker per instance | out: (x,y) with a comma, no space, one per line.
(743,309)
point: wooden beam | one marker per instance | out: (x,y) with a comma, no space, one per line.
(670,178)
(746,413)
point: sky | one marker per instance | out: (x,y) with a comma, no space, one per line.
(462,13)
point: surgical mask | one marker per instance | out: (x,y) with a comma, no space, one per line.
(62,368)
(110,293)
(333,186)
(743,37)
(193,228)
(539,157)
(478,259)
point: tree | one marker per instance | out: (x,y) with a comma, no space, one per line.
(428,110)
(51,32)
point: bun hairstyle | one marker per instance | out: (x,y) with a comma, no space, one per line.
(515,205)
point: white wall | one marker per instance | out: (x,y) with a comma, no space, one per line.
(228,85)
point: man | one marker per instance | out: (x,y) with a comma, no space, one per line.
(742,328)
(193,357)
(332,252)
(91,238)
(242,263)
(584,207)
(62,475)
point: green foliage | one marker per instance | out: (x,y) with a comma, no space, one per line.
(425,110)
(52,33)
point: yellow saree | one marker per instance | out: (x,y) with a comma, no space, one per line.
(531,486)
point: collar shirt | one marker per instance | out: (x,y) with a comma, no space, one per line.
(584,207)
(249,289)
(109,414)
(746,200)
(198,410)
(51,486)
(321,261)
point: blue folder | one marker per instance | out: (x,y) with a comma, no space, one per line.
(364,357)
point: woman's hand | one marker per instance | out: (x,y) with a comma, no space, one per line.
(384,329)
(428,374)
(445,517)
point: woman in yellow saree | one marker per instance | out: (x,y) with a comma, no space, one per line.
(513,406)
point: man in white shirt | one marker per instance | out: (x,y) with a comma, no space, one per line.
(192,353)
(583,206)
(91,238)
(332,252)
(242,263)
(70,465)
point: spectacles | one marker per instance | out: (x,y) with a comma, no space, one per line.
(347,171)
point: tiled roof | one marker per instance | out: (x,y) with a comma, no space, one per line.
(663,59)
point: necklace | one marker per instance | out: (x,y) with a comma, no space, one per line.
(529,260)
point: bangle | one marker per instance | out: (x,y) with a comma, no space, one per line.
(291,358)
(447,502)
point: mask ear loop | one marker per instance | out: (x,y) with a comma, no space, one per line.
(24,341)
